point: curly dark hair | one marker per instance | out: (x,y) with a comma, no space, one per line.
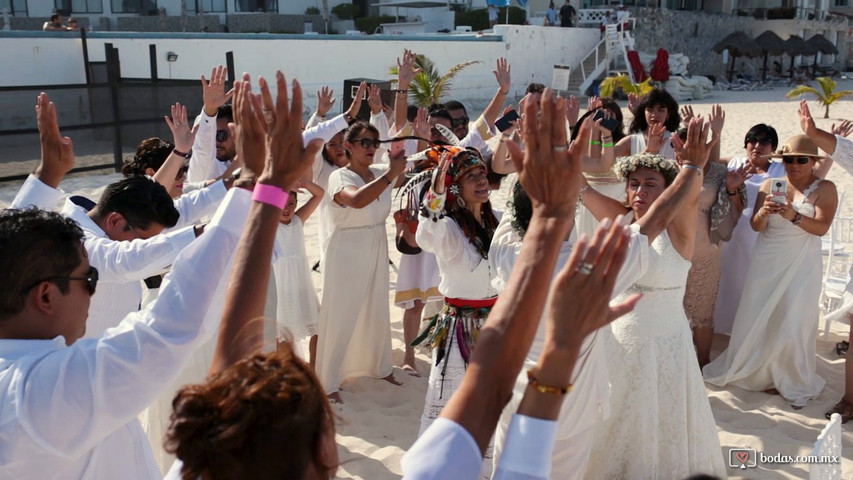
(151,153)
(656,97)
(264,417)
(521,208)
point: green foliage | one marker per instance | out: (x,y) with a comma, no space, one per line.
(428,86)
(623,82)
(479,19)
(368,24)
(345,11)
(312,11)
(826,95)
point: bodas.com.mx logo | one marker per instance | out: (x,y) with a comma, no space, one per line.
(742,457)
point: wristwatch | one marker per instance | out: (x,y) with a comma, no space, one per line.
(797,219)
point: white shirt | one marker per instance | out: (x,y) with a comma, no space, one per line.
(35,193)
(121,265)
(194,205)
(464,272)
(447,451)
(843,154)
(70,412)
(203,163)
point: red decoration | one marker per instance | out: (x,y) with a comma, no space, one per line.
(637,66)
(660,69)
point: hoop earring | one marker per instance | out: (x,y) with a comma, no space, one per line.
(460,202)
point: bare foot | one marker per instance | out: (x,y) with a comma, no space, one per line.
(410,369)
(390,379)
(335,398)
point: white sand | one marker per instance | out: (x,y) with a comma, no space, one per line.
(379,421)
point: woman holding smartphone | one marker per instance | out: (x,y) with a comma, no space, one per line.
(772,346)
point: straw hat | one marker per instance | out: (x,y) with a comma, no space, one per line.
(797,146)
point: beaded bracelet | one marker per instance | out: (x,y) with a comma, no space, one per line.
(533,382)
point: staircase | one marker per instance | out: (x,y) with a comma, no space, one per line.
(609,56)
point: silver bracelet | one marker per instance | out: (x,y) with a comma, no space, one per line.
(694,167)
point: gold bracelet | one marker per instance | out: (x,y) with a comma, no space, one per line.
(533,382)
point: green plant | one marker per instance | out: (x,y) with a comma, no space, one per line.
(479,19)
(428,86)
(368,25)
(826,95)
(312,11)
(623,82)
(345,11)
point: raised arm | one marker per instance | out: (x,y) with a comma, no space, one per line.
(316,192)
(504,79)
(823,139)
(360,197)
(204,145)
(183,136)
(406,70)
(278,146)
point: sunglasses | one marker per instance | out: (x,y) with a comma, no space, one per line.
(800,160)
(182,172)
(760,141)
(221,135)
(91,280)
(458,122)
(367,142)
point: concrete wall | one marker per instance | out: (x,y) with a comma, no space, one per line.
(43,58)
(693,34)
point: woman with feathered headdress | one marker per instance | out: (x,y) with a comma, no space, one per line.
(457,224)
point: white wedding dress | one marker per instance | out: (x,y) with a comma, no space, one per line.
(774,337)
(660,424)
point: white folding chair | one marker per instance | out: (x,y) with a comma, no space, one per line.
(828,444)
(837,268)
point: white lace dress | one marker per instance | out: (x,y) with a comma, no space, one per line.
(297,305)
(660,424)
(775,332)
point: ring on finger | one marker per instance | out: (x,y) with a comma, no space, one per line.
(585,268)
(560,148)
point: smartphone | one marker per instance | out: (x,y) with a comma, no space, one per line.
(609,123)
(779,190)
(505,122)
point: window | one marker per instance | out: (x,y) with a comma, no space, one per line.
(134,6)
(210,6)
(270,6)
(16,8)
(80,6)
(842,3)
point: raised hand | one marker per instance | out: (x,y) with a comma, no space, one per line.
(593,103)
(737,177)
(57,152)
(213,91)
(550,174)
(717,119)
(355,106)
(374,99)
(633,103)
(502,75)
(325,101)
(440,173)
(287,156)
(573,108)
(806,121)
(696,148)
(182,134)
(406,69)
(656,141)
(843,129)
(249,128)
(421,126)
(686,114)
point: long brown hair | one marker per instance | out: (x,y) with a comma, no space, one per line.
(264,417)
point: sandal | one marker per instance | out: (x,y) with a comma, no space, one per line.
(841,348)
(843,408)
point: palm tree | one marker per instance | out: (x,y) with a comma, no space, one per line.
(610,84)
(826,95)
(428,86)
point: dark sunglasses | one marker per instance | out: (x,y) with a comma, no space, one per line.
(182,172)
(91,280)
(368,142)
(760,141)
(800,160)
(221,135)
(458,122)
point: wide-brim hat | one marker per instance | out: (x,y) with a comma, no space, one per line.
(797,146)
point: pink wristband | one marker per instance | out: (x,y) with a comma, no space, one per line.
(270,195)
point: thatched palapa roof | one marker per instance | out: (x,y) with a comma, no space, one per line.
(797,46)
(738,44)
(823,45)
(771,43)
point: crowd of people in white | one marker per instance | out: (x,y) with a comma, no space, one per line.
(576,324)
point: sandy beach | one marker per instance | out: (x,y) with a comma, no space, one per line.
(379,421)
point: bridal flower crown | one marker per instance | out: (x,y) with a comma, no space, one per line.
(625,166)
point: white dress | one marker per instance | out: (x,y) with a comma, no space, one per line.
(775,332)
(297,304)
(638,144)
(736,254)
(355,320)
(660,424)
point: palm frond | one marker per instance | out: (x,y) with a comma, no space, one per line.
(444,83)
(837,96)
(421,91)
(827,85)
(802,90)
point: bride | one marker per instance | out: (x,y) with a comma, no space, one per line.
(661,425)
